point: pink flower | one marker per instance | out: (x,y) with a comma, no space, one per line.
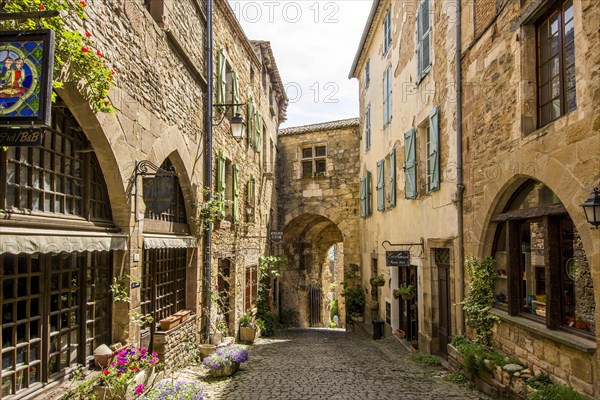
(139,389)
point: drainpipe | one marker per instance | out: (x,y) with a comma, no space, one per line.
(460,188)
(207,254)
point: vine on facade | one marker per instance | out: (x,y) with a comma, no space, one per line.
(268,267)
(75,58)
(209,211)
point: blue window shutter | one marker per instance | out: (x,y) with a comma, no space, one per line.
(385,99)
(390,84)
(380,186)
(236,193)
(410,165)
(419,36)
(392,177)
(433,158)
(369,193)
(363,198)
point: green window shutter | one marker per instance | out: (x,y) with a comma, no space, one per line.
(250,200)
(249,119)
(363,197)
(220,183)
(410,165)
(258,125)
(380,185)
(221,78)
(433,156)
(392,177)
(236,193)
(236,91)
(369,193)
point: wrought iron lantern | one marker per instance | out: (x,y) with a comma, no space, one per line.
(591,208)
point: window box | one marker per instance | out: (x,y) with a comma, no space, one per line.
(183,314)
(166,324)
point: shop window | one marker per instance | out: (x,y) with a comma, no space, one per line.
(556,63)
(543,273)
(163,290)
(314,161)
(61,177)
(56,308)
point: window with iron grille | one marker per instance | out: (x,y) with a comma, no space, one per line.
(556,63)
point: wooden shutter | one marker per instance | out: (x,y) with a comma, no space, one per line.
(258,126)
(380,185)
(236,91)
(369,193)
(410,165)
(386,30)
(368,129)
(423,38)
(385,99)
(250,120)
(433,158)
(221,77)
(363,197)
(236,193)
(392,177)
(250,200)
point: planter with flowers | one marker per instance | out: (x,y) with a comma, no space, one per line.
(132,369)
(169,389)
(226,360)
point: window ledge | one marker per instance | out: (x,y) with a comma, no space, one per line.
(564,338)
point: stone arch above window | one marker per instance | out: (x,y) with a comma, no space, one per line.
(543,272)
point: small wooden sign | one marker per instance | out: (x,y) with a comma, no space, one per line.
(277,237)
(397,258)
(158,193)
(21,137)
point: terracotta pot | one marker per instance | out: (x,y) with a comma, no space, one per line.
(183,314)
(103,355)
(169,323)
(206,350)
(227,370)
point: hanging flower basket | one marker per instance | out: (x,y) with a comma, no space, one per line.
(378,280)
(407,297)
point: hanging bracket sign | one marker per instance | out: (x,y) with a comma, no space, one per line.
(276,237)
(397,258)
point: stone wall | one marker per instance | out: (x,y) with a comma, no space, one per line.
(174,347)
(317,212)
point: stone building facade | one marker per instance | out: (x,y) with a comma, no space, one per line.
(532,157)
(408,167)
(73,215)
(318,208)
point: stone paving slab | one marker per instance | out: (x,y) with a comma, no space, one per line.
(329,364)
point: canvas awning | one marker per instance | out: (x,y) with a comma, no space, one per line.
(16,240)
(156,241)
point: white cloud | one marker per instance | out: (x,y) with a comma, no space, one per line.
(314,43)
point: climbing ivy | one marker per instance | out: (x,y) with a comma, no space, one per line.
(268,267)
(75,57)
(480,298)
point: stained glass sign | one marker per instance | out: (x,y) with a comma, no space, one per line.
(26,62)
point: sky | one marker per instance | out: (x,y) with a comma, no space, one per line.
(314,43)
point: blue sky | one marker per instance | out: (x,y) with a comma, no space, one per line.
(314,43)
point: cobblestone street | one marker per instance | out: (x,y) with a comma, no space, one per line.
(330,364)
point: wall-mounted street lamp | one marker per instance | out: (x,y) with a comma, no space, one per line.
(591,208)
(238,125)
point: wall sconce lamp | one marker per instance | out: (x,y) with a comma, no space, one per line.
(237,122)
(591,208)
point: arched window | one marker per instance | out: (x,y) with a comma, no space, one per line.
(543,273)
(60,178)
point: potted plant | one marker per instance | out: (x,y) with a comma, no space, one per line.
(374,305)
(170,389)
(247,328)
(377,280)
(407,292)
(225,361)
(354,298)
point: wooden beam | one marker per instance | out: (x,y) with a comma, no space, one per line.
(537,212)
(28,15)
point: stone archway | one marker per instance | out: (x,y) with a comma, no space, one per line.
(314,247)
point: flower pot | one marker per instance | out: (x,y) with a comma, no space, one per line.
(216,339)
(374,306)
(396,295)
(407,297)
(247,334)
(226,370)
(103,356)
(166,324)
(206,350)
(183,314)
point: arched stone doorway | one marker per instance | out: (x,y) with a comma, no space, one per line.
(311,279)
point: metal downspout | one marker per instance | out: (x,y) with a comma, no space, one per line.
(460,188)
(207,254)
